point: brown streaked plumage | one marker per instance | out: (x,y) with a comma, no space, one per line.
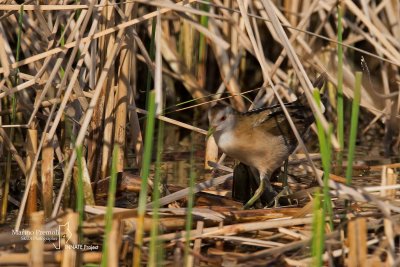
(260,138)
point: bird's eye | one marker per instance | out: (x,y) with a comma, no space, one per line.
(223,118)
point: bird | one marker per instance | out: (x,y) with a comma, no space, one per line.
(261,138)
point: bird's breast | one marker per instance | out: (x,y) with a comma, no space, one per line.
(226,141)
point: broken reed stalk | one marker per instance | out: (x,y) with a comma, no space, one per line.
(357,242)
(36,245)
(115,238)
(353,127)
(69,230)
(47,176)
(31,150)
(110,206)
(156,248)
(339,108)
(389,177)
(145,176)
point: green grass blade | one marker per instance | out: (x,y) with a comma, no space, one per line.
(148,146)
(325,147)
(155,244)
(80,201)
(189,217)
(152,53)
(110,205)
(317,245)
(203,22)
(340,109)
(353,127)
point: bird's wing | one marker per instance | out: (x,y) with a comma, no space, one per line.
(274,122)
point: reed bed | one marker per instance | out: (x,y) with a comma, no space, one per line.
(104,153)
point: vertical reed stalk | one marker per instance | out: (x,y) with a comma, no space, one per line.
(110,205)
(317,246)
(148,145)
(201,71)
(189,217)
(340,115)
(36,250)
(121,105)
(70,229)
(152,50)
(31,149)
(47,176)
(80,202)
(325,147)
(353,127)
(155,244)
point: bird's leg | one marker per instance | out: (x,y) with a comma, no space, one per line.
(264,184)
(286,189)
(285,172)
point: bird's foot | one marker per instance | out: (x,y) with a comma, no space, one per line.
(285,192)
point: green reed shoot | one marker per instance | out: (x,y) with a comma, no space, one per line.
(190,203)
(326,151)
(317,245)
(353,127)
(319,214)
(156,252)
(152,53)
(202,40)
(110,206)
(80,201)
(148,146)
(340,112)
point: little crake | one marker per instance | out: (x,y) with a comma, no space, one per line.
(260,138)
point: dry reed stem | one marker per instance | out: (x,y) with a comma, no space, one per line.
(36,245)
(114,244)
(122,99)
(198,241)
(357,238)
(172,121)
(70,227)
(211,152)
(389,178)
(31,149)
(183,193)
(10,259)
(47,176)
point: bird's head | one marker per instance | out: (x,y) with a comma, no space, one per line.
(220,117)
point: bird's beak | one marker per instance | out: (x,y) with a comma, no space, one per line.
(210,132)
